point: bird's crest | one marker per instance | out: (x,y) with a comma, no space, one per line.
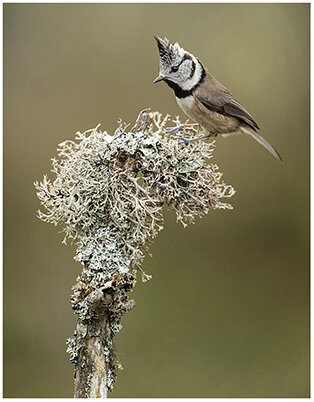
(168,52)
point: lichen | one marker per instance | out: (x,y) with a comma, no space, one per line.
(72,348)
(108,194)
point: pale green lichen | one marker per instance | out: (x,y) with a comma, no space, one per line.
(108,194)
(111,211)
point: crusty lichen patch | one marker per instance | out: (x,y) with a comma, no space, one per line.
(107,196)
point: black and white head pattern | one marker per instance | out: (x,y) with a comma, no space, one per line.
(178,66)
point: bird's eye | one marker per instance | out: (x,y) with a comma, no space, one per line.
(174,69)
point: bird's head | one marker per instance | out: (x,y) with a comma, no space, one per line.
(177,65)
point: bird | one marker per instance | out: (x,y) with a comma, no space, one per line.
(202,97)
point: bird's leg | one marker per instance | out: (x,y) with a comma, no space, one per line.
(181,127)
(187,140)
(175,129)
(187,127)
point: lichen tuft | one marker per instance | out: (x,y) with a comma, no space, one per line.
(108,194)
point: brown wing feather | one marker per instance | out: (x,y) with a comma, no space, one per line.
(217,98)
(214,96)
(235,109)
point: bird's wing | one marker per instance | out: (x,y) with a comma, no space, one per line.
(217,98)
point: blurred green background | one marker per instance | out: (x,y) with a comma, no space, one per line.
(227,311)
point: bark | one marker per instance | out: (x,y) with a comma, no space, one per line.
(93,339)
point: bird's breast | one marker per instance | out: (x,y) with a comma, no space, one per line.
(186,105)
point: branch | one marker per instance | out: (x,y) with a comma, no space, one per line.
(91,347)
(108,196)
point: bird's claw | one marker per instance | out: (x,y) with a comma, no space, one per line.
(182,127)
(188,140)
(185,140)
(175,129)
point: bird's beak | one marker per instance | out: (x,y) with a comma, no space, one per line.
(159,78)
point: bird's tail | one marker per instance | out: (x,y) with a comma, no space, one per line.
(263,142)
